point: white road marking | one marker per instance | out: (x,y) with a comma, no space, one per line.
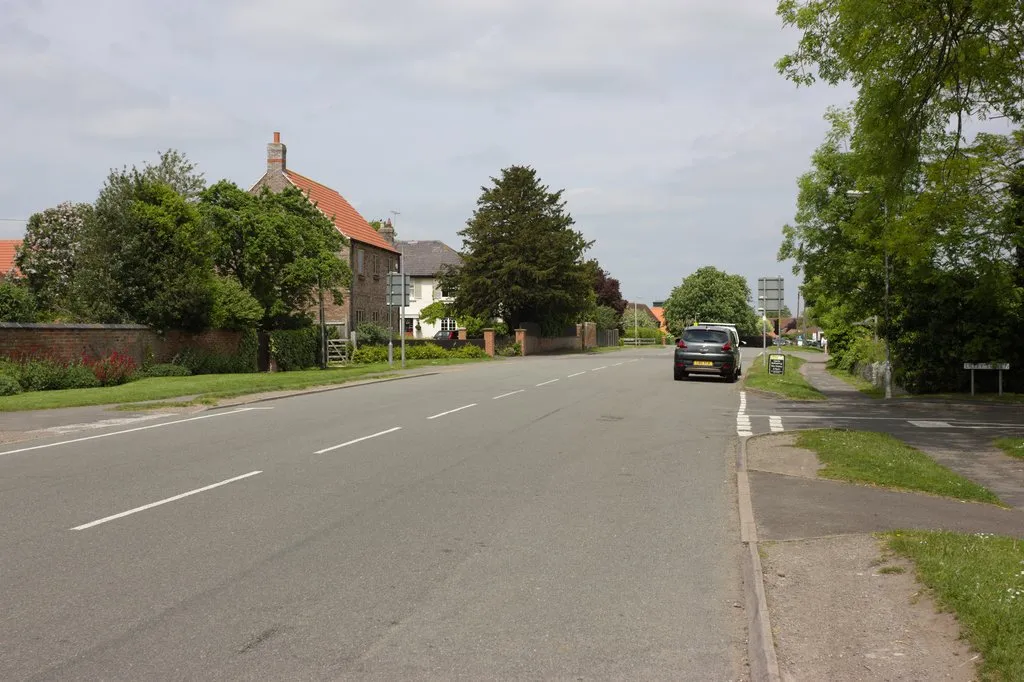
(103,423)
(743,429)
(775,423)
(547,382)
(617,364)
(598,369)
(926,424)
(575,375)
(505,395)
(165,501)
(357,440)
(457,409)
(118,433)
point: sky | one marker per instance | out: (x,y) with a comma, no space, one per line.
(676,141)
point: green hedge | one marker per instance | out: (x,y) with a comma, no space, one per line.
(366,355)
(295,349)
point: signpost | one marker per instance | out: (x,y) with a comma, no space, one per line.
(771,298)
(398,298)
(998,366)
(776,363)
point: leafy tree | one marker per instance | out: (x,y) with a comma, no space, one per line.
(605,317)
(48,255)
(278,246)
(522,260)
(607,289)
(233,306)
(173,168)
(636,318)
(916,66)
(711,294)
(147,256)
(16,302)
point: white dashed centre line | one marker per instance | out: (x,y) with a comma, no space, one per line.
(357,440)
(505,395)
(547,382)
(598,369)
(457,409)
(575,375)
(164,501)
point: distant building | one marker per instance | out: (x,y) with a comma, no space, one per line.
(8,249)
(370,254)
(424,261)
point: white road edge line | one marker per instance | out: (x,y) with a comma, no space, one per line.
(457,409)
(505,395)
(547,382)
(165,501)
(118,433)
(575,375)
(357,440)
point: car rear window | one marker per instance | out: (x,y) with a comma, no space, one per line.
(705,336)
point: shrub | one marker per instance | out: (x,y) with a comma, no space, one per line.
(510,351)
(202,361)
(294,349)
(372,334)
(17,304)
(9,385)
(49,375)
(233,306)
(113,370)
(469,351)
(426,351)
(164,370)
(368,355)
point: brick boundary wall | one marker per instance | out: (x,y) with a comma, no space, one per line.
(69,342)
(532,343)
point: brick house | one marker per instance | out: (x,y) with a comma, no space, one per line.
(370,254)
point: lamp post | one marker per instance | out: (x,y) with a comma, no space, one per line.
(885,304)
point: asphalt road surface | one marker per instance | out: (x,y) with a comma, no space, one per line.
(562,517)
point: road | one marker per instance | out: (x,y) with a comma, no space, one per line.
(566,516)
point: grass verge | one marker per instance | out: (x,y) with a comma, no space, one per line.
(865,387)
(1014,447)
(791,385)
(205,389)
(980,578)
(880,459)
(1011,398)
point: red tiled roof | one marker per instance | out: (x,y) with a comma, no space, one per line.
(7,248)
(346,218)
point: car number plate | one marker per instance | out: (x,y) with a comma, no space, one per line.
(703,363)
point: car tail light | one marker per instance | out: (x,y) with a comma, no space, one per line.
(680,344)
(727,346)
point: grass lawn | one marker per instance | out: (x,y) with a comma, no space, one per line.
(206,388)
(865,387)
(880,459)
(1014,447)
(980,578)
(791,385)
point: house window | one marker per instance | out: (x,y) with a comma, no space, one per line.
(375,316)
(409,322)
(376,264)
(448,324)
(360,316)
(360,261)
(417,292)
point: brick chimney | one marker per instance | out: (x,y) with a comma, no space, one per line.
(387,231)
(277,155)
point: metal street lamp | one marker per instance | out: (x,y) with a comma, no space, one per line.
(885,251)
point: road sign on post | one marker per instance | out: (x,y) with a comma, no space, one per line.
(776,363)
(395,297)
(998,366)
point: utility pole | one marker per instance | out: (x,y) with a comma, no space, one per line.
(323,326)
(401,278)
(636,325)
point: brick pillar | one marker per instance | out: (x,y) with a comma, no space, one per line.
(462,335)
(521,340)
(489,342)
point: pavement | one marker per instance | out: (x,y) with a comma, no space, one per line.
(832,614)
(560,517)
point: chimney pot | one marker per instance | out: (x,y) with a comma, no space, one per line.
(277,138)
